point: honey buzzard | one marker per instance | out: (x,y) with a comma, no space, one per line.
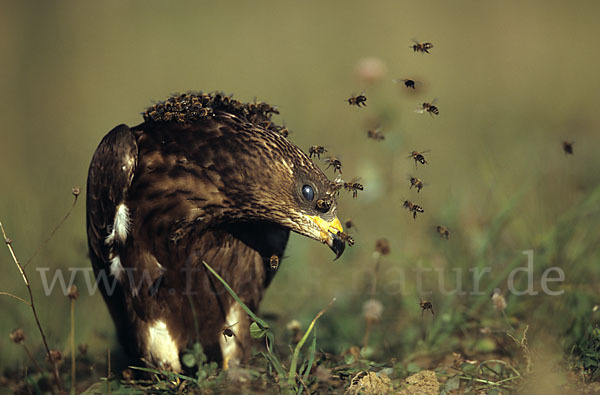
(203,178)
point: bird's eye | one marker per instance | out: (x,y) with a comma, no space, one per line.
(308,192)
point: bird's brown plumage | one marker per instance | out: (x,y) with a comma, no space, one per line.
(204,178)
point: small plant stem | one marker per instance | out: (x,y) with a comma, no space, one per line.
(73,365)
(108,374)
(37,366)
(32,305)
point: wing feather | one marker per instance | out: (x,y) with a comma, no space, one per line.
(109,178)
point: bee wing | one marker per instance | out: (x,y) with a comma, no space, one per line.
(420,110)
(398,80)
(434,101)
(414,40)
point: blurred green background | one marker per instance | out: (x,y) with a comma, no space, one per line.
(514,79)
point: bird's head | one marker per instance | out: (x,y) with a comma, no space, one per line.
(278,182)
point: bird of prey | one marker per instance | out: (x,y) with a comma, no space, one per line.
(203,178)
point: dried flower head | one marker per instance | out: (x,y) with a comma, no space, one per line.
(499,300)
(76,191)
(56,356)
(372,309)
(73,292)
(127,374)
(17,336)
(382,246)
(83,348)
(293,326)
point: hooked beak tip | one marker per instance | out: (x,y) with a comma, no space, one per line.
(337,246)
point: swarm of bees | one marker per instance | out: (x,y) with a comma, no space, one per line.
(429,108)
(421,47)
(375,135)
(415,182)
(335,163)
(418,157)
(413,208)
(568,147)
(274,262)
(358,100)
(425,305)
(443,231)
(316,150)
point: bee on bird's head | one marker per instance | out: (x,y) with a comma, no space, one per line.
(568,147)
(421,47)
(417,183)
(335,163)
(413,208)
(429,108)
(358,100)
(443,231)
(375,135)
(316,150)
(407,82)
(418,157)
(353,186)
(425,305)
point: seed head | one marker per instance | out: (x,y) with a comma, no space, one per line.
(17,336)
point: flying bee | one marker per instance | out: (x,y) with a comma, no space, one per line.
(316,150)
(418,157)
(421,47)
(425,305)
(358,100)
(375,135)
(407,82)
(353,186)
(333,162)
(443,231)
(568,147)
(417,183)
(346,238)
(429,107)
(349,224)
(274,262)
(413,208)
(227,332)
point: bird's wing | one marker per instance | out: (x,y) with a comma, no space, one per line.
(111,172)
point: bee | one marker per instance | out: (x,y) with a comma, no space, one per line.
(408,82)
(568,147)
(358,100)
(335,163)
(346,238)
(227,332)
(349,224)
(323,205)
(443,231)
(284,131)
(274,261)
(413,208)
(425,305)
(415,182)
(316,150)
(421,47)
(375,135)
(418,157)
(429,107)
(353,186)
